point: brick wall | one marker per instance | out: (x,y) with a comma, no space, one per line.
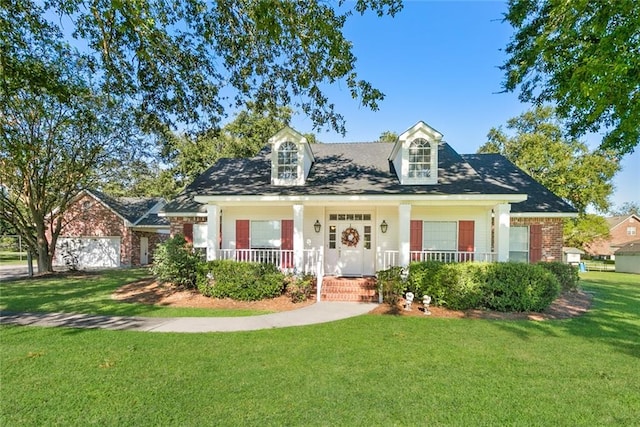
(87,217)
(154,240)
(177,223)
(552,235)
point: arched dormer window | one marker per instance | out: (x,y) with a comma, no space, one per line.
(288,161)
(420,159)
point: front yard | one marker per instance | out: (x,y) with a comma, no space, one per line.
(369,370)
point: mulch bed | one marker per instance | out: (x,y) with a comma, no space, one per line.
(150,291)
(569,304)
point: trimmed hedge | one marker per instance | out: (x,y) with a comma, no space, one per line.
(494,286)
(243,281)
(566,274)
(519,287)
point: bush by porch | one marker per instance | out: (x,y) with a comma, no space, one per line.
(493,286)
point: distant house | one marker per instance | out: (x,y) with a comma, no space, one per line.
(628,258)
(622,230)
(352,209)
(99,231)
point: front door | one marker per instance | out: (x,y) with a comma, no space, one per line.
(349,248)
(144,250)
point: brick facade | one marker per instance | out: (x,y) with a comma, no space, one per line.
(178,222)
(552,235)
(622,230)
(88,217)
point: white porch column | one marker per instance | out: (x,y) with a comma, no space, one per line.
(404,234)
(298,237)
(503,223)
(213,231)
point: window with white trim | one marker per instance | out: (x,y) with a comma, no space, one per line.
(440,236)
(420,159)
(519,244)
(288,161)
(631,231)
(265,234)
(200,235)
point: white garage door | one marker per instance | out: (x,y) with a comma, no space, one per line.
(88,252)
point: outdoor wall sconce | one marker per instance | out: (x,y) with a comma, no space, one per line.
(317,226)
(384,226)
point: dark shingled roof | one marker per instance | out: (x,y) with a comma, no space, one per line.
(134,209)
(364,169)
(497,168)
(631,248)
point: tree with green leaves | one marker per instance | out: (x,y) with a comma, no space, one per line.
(51,147)
(536,143)
(582,56)
(627,208)
(388,136)
(185,63)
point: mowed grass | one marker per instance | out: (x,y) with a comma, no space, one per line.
(90,293)
(369,370)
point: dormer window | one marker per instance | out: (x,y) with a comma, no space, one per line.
(288,161)
(420,159)
(415,155)
(291,158)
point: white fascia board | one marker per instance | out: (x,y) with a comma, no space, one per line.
(182,214)
(389,199)
(544,215)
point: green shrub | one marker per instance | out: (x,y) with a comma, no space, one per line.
(300,288)
(566,274)
(519,287)
(175,261)
(391,284)
(242,281)
(424,279)
(461,285)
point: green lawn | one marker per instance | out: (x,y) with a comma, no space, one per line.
(13,258)
(369,370)
(91,293)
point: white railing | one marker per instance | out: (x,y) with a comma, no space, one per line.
(392,258)
(283,259)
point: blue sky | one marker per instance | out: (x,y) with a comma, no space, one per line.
(438,62)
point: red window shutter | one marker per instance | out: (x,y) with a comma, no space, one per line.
(415,238)
(286,243)
(187,230)
(242,234)
(535,243)
(466,239)
(286,235)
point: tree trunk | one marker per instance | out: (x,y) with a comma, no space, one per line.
(45,261)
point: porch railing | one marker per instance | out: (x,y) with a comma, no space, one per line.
(283,259)
(392,258)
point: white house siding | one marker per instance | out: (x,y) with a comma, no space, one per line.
(480,215)
(628,263)
(252,213)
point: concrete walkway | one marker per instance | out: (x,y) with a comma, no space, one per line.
(316,313)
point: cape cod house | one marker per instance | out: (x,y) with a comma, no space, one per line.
(356,208)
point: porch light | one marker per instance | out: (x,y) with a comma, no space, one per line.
(317,226)
(384,226)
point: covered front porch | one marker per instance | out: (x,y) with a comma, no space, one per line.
(353,238)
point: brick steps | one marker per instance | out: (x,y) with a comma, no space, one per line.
(349,289)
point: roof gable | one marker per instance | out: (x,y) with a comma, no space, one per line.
(132,209)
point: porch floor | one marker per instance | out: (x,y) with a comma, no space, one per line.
(351,289)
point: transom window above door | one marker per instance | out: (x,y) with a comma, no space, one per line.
(350,217)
